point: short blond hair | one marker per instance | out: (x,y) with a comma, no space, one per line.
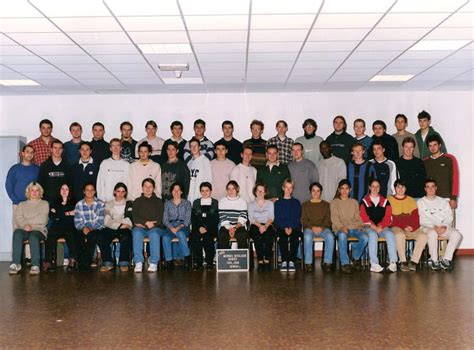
(30,186)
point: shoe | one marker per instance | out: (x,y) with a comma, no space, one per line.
(327,267)
(93,264)
(346,268)
(197,267)
(260,267)
(291,267)
(356,264)
(308,267)
(404,266)
(106,268)
(124,268)
(152,268)
(65,262)
(28,262)
(267,266)
(46,266)
(35,270)
(14,269)
(434,265)
(209,267)
(178,262)
(284,267)
(169,265)
(138,267)
(72,265)
(412,266)
(392,267)
(446,265)
(376,268)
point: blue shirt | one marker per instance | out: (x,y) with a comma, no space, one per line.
(287,213)
(92,216)
(175,215)
(18,178)
(71,152)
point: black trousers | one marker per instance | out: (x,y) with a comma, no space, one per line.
(240,235)
(104,240)
(263,242)
(288,253)
(85,247)
(199,242)
(53,235)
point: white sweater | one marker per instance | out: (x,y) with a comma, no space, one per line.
(245,177)
(155,143)
(110,173)
(139,172)
(200,170)
(331,171)
(434,212)
(115,215)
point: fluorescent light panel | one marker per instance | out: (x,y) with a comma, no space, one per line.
(386,77)
(18,82)
(165,48)
(439,45)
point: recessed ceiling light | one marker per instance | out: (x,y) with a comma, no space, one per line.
(434,45)
(18,82)
(183,81)
(165,48)
(386,77)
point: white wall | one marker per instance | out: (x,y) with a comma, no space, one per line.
(451,115)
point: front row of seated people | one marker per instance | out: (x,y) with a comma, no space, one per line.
(91,223)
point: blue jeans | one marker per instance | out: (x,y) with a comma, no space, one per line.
(373,245)
(154,234)
(182,235)
(357,247)
(34,238)
(329,242)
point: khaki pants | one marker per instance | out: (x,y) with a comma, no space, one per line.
(454,239)
(420,242)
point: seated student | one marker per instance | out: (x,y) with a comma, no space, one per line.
(89,216)
(61,215)
(376,214)
(205,218)
(316,220)
(232,218)
(261,216)
(31,218)
(176,219)
(436,219)
(406,225)
(346,222)
(118,223)
(147,214)
(288,226)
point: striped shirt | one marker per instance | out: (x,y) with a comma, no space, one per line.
(175,215)
(232,211)
(92,216)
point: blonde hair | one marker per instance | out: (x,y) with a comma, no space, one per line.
(288,181)
(30,186)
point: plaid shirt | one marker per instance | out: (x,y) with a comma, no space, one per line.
(89,216)
(42,150)
(284,148)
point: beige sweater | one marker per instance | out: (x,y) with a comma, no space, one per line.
(345,213)
(33,212)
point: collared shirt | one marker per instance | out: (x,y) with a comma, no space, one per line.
(84,164)
(42,149)
(284,148)
(92,216)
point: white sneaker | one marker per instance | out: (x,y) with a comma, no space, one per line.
(138,267)
(152,268)
(35,270)
(284,267)
(65,262)
(392,267)
(376,268)
(14,269)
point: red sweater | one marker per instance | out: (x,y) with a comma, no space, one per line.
(405,212)
(379,215)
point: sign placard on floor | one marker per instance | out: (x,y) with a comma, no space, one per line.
(232,260)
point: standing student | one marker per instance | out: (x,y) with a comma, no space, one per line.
(288,226)
(71,148)
(147,217)
(89,215)
(361,137)
(316,221)
(127,142)
(199,168)
(142,169)
(154,141)
(424,121)
(310,141)
(411,170)
(42,145)
(259,145)
(261,217)
(376,214)
(84,171)
(273,174)
(206,146)
(234,147)
(340,141)
(221,169)
(331,170)
(384,169)
(245,175)
(436,219)
(390,144)
(176,128)
(232,218)
(401,124)
(100,147)
(205,219)
(112,171)
(283,142)
(30,219)
(359,171)
(303,172)
(346,223)
(174,170)
(443,168)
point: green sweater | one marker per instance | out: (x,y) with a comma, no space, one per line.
(273,178)
(423,147)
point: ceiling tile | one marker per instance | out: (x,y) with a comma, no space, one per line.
(15,8)
(5,41)
(275,47)
(351,6)
(451,34)
(414,20)
(59,82)
(426,6)
(26,68)
(222,66)
(397,34)
(110,49)
(320,34)
(217,36)
(81,67)
(413,63)
(100,38)
(300,65)
(374,55)
(41,38)
(272,56)
(376,64)
(221,57)
(46,75)
(347,20)
(278,35)
(91,75)
(125,67)
(330,46)
(87,24)
(240,74)
(69,59)
(120,58)
(424,55)
(285,65)
(219,47)
(284,6)
(25,59)
(171,58)
(61,8)
(55,49)
(26,25)
(214,7)
(151,23)
(13,50)
(159,37)
(322,55)
(403,71)
(143,7)
(216,22)
(136,75)
(385,45)
(282,21)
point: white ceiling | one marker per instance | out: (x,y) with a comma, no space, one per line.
(92,46)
